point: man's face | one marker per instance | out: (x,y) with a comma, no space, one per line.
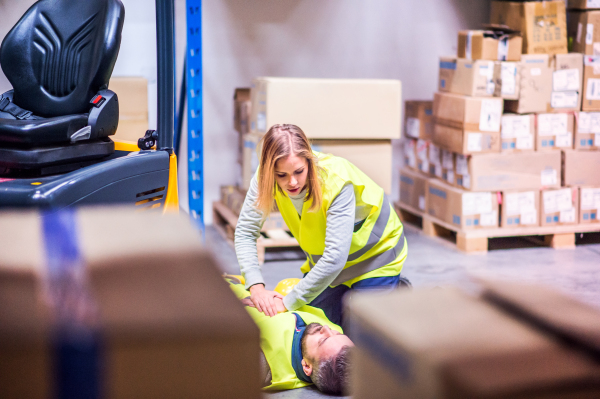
(321,342)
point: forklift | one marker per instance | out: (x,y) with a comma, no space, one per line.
(56,122)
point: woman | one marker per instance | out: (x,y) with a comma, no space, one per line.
(342,220)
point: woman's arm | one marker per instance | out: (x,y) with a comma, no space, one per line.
(338,238)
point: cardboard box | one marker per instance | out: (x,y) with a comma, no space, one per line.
(448,167)
(133,107)
(464,141)
(409,154)
(582,36)
(469,113)
(543,24)
(161,309)
(419,119)
(250,157)
(413,187)
(507,76)
(489,45)
(520,208)
(567,83)
(435,160)
(329,108)
(555,131)
(559,206)
(466,77)
(466,210)
(131,129)
(580,168)
(587,131)
(511,171)
(242,105)
(422,156)
(589,204)
(442,343)
(591,83)
(584,4)
(373,157)
(535,85)
(518,133)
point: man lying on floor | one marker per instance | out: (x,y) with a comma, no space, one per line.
(299,348)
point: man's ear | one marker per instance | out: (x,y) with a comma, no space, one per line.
(307,367)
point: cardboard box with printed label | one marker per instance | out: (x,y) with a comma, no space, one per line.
(435,160)
(520,208)
(329,108)
(584,4)
(580,168)
(589,204)
(489,45)
(372,157)
(584,32)
(241,110)
(462,178)
(559,206)
(587,131)
(567,81)
(555,131)
(409,153)
(510,171)
(518,133)
(591,83)
(535,85)
(413,187)
(507,77)
(133,107)
(543,24)
(463,141)
(448,167)
(422,155)
(466,210)
(419,119)
(466,77)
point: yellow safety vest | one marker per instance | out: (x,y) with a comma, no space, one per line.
(276,336)
(378,248)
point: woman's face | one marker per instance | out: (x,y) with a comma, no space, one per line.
(290,174)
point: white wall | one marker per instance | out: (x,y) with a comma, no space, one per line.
(389,39)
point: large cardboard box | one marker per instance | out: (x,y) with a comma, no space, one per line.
(543,24)
(511,171)
(507,77)
(518,133)
(580,168)
(489,45)
(520,208)
(133,107)
(469,113)
(591,83)
(567,81)
(419,119)
(555,131)
(466,77)
(589,204)
(584,4)
(587,131)
(413,188)
(535,85)
(241,110)
(329,108)
(559,206)
(464,141)
(373,157)
(583,37)
(147,314)
(466,210)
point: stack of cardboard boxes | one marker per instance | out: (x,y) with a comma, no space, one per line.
(512,132)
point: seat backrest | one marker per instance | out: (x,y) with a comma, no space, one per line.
(61,52)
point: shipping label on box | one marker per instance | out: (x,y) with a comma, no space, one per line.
(489,45)
(580,168)
(469,113)
(412,189)
(559,206)
(535,85)
(587,131)
(419,119)
(584,5)
(584,32)
(461,171)
(520,208)
(435,160)
(448,166)
(555,131)
(409,153)
(589,205)
(464,141)
(567,82)
(422,154)
(591,84)
(518,133)
(507,78)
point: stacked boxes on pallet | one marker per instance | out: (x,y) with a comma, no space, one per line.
(514,120)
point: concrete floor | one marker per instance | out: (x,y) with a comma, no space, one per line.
(437,262)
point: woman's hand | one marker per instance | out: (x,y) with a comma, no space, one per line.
(264,300)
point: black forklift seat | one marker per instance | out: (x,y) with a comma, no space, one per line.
(59,58)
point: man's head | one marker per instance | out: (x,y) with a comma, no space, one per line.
(325,358)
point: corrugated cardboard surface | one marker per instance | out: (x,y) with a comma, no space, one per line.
(465,112)
(413,188)
(444,344)
(535,85)
(464,141)
(418,119)
(520,208)
(164,309)
(329,108)
(583,39)
(580,168)
(133,106)
(487,48)
(466,77)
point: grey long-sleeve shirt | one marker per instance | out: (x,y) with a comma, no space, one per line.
(341,216)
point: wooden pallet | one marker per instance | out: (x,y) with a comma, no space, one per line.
(225,221)
(476,240)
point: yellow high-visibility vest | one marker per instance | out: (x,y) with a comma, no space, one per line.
(378,248)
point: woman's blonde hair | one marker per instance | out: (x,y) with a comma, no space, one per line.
(280,142)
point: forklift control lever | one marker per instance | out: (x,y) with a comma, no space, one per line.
(148,141)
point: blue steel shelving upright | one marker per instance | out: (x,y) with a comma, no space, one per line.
(195,110)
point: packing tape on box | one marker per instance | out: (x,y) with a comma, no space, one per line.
(77,343)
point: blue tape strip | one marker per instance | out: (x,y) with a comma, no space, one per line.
(77,346)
